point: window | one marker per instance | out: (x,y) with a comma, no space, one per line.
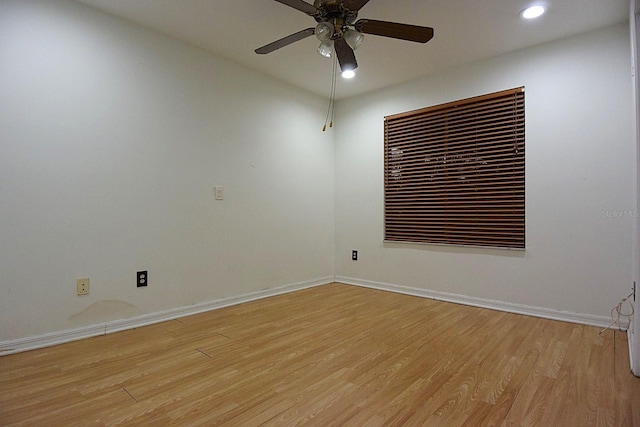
(455,173)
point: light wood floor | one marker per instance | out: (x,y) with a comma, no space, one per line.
(330,355)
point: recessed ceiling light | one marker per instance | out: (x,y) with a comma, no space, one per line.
(533,12)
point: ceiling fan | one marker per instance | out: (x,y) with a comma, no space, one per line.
(338,30)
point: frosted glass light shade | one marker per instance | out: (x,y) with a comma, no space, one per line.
(353,38)
(324,31)
(326,49)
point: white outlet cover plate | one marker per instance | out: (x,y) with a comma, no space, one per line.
(219,193)
(82,286)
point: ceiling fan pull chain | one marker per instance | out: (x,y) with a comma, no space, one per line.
(331,96)
(333,89)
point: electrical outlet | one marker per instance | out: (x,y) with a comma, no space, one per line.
(143,279)
(82,286)
(354,255)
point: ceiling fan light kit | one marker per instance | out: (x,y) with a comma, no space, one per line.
(340,32)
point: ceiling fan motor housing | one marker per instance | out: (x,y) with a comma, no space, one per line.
(334,11)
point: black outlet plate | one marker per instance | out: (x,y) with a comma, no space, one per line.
(354,255)
(143,279)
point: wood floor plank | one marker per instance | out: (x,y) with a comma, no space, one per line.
(330,355)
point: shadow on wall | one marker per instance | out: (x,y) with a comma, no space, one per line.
(104,311)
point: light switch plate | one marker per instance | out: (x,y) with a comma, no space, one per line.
(219,193)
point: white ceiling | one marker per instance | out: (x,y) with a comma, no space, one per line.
(465,31)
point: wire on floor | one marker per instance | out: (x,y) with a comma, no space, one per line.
(617,314)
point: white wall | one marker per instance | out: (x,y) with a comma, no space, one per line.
(112,138)
(579,190)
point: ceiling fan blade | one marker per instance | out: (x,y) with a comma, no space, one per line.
(355,5)
(412,33)
(285,41)
(346,57)
(301,5)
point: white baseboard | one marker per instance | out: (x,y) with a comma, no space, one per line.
(632,336)
(631,341)
(60,337)
(546,313)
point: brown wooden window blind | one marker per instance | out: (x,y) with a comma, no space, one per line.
(455,173)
